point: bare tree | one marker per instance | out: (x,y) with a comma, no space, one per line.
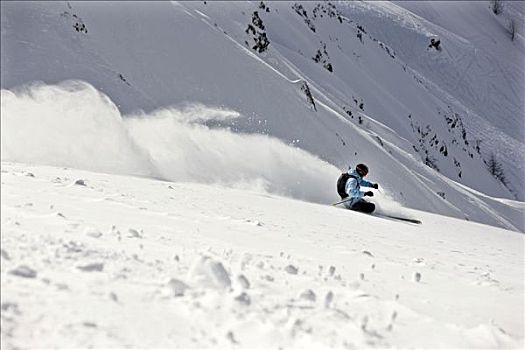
(512,29)
(309,97)
(496,169)
(496,6)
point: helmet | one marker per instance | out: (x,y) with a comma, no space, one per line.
(361,169)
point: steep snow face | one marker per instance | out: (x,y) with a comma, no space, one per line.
(366,102)
(479,69)
(98,260)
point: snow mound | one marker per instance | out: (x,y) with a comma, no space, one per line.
(206,272)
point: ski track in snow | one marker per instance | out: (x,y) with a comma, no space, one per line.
(96,260)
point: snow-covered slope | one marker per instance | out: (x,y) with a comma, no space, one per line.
(98,260)
(480,72)
(384,102)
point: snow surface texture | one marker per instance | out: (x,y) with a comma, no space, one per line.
(99,260)
(207,97)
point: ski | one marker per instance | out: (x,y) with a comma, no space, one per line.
(414,221)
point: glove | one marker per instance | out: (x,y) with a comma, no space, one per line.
(376,186)
(369,194)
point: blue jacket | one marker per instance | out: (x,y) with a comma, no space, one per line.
(352,187)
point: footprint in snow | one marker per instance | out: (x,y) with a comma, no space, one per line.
(92,232)
(73,247)
(308,295)
(329,297)
(416,277)
(291,269)
(243,281)
(418,261)
(177,287)
(80,182)
(134,233)
(23,271)
(93,267)
(253,222)
(268,278)
(231,337)
(243,299)
(486,279)
(4,255)
(62,286)
(10,307)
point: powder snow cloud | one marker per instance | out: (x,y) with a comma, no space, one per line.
(72,124)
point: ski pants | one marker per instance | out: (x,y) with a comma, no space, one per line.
(363,206)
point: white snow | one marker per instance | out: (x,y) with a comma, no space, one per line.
(164,185)
(191,265)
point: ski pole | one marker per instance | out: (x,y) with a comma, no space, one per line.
(344,200)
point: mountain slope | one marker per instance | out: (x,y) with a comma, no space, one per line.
(99,260)
(374,107)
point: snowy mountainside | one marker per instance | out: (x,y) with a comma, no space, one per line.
(101,260)
(479,72)
(372,104)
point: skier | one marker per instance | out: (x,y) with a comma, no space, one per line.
(348,185)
